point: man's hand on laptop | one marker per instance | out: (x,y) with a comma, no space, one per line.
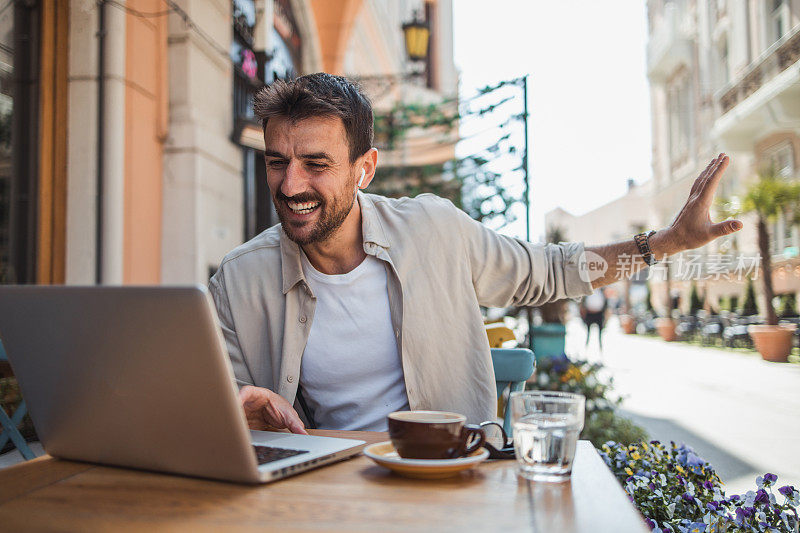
(266,410)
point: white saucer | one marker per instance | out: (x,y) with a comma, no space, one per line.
(385,455)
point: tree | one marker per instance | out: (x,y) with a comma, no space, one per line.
(554,312)
(788,307)
(749,307)
(648,301)
(769,197)
(695,303)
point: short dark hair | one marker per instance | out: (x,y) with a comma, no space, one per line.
(320,95)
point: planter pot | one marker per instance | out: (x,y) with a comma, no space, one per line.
(628,324)
(773,342)
(549,340)
(666,329)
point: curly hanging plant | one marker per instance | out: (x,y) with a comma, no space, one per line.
(768,197)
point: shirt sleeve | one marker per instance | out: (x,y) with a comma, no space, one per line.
(508,271)
(219,293)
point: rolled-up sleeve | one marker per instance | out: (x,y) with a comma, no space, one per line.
(508,271)
(218,292)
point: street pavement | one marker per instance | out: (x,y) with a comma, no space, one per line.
(738,412)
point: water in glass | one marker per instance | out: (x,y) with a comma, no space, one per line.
(546,426)
(545,445)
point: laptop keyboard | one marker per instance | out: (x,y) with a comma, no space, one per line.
(268,454)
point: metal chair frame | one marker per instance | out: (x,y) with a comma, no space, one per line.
(9,424)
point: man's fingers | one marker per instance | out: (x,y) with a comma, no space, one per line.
(295,425)
(701,178)
(246,394)
(711,182)
(725,228)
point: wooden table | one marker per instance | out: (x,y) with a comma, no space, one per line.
(354,495)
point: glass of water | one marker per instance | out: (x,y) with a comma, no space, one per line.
(546,427)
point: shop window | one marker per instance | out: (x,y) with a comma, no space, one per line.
(19,101)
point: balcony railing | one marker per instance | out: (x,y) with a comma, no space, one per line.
(772,62)
(669,45)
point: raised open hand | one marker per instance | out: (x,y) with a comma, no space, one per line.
(693,227)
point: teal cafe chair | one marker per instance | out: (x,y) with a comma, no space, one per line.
(512,368)
(9,425)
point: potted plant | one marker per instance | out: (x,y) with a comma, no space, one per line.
(549,338)
(626,321)
(769,197)
(788,307)
(665,325)
(695,302)
(749,306)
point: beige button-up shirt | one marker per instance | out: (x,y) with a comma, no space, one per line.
(441,266)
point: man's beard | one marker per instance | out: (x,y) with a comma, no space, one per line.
(331,216)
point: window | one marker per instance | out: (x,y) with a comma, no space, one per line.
(781,159)
(679,109)
(722,69)
(19,140)
(721,8)
(778,19)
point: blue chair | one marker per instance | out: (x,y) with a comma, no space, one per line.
(512,368)
(9,425)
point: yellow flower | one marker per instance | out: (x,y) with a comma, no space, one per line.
(635,456)
(680,469)
(572,373)
(628,471)
(644,446)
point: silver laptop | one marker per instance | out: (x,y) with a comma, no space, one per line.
(139,377)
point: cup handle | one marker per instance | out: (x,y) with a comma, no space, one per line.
(475,433)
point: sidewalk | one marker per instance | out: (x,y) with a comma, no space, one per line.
(737,411)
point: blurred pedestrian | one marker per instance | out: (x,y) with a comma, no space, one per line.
(593,312)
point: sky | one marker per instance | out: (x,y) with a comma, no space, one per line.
(588,96)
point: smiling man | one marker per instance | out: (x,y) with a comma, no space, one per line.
(358,305)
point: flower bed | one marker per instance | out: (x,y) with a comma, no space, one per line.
(678,492)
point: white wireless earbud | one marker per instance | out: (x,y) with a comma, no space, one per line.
(363,175)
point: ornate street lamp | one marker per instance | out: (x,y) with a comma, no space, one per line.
(416,34)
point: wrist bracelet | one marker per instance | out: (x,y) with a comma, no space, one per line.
(642,241)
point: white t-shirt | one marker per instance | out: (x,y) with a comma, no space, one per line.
(351,374)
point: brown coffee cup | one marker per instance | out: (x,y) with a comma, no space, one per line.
(433,435)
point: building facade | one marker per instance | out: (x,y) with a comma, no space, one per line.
(725,77)
(128,148)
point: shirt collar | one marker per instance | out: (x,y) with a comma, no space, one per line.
(371,229)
